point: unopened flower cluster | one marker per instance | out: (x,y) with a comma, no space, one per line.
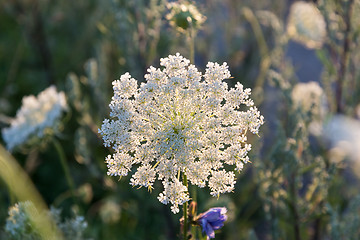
(180,123)
(184,15)
(35,116)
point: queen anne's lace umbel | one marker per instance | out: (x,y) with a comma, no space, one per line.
(178,123)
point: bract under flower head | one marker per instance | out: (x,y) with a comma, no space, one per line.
(212,220)
(177,124)
(35,116)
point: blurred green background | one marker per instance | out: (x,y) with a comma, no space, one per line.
(300,185)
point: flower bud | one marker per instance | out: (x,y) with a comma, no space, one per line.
(184,15)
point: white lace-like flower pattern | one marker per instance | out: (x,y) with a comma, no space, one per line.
(180,123)
(36,115)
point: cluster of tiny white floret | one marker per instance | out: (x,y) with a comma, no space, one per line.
(174,192)
(180,123)
(35,116)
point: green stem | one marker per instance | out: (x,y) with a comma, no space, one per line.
(185,210)
(191,39)
(194,228)
(65,167)
(265,61)
(293,206)
(344,59)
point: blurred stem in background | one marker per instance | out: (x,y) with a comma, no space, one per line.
(265,61)
(191,39)
(29,15)
(20,185)
(293,205)
(65,167)
(344,56)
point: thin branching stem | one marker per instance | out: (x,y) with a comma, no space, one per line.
(344,59)
(265,61)
(191,39)
(294,207)
(65,167)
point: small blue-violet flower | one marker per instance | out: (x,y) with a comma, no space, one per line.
(212,220)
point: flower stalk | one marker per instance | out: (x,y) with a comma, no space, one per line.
(65,167)
(191,39)
(343,60)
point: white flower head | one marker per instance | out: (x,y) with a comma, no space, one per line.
(180,125)
(35,117)
(344,132)
(221,182)
(306,24)
(310,97)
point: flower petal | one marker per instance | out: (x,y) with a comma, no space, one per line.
(207,228)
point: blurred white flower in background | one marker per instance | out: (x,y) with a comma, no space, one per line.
(180,126)
(110,211)
(310,97)
(343,134)
(20,219)
(306,24)
(24,221)
(35,117)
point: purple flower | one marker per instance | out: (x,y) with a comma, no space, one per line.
(212,220)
